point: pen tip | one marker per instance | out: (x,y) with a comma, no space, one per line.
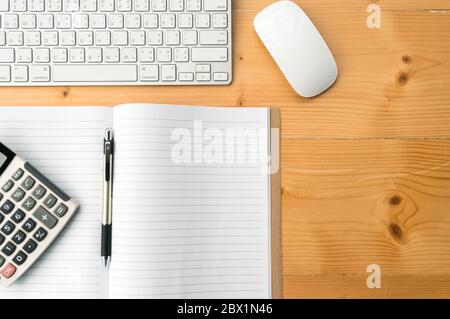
(106,261)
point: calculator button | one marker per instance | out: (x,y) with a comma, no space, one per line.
(7,187)
(18,216)
(28,183)
(8,228)
(1,196)
(45,217)
(2,261)
(9,249)
(18,195)
(20,258)
(29,225)
(19,237)
(29,203)
(2,239)
(30,246)
(40,234)
(1,218)
(7,207)
(50,201)
(18,174)
(61,210)
(39,192)
(8,271)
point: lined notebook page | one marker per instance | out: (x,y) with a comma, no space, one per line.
(188,230)
(66,145)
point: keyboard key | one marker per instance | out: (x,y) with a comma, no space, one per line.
(159,5)
(7,207)
(164,54)
(18,216)
(5,73)
(176,5)
(8,271)
(141,5)
(95,73)
(19,237)
(209,54)
(1,218)
(40,73)
(107,5)
(168,72)
(71,5)
(203,77)
(181,55)
(124,5)
(29,203)
(7,56)
(186,77)
(61,210)
(20,73)
(10,21)
(30,246)
(2,239)
(194,5)
(213,37)
(29,225)
(88,5)
(8,185)
(220,20)
(40,234)
(220,76)
(2,261)
(146,55)
(18,195)
(203,68)
(59,55)
(18,5)
(39,192)
(216,5)
(20,258)
(45,217)
(36,5)
(202,20)
(149,73)
(28,183)
(8,228)
(9,249)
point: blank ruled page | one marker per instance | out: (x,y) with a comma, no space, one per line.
(66,145)
(190,224)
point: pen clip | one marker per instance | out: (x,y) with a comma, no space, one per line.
(108,149)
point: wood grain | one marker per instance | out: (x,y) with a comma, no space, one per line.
(349,204)
(365,167)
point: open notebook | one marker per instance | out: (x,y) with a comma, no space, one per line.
(187,223)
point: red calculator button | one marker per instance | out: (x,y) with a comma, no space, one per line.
(8,271)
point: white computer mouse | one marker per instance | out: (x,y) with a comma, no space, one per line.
(297,47)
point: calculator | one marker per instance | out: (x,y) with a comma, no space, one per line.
(33,211)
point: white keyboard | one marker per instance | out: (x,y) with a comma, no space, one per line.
(115,42)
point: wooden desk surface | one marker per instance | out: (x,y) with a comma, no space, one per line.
(365,167)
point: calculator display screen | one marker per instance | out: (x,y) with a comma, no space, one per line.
(3,159)
(6,157)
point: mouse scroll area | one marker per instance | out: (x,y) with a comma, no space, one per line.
(297,47)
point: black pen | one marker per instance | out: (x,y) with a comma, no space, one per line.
(108,151)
